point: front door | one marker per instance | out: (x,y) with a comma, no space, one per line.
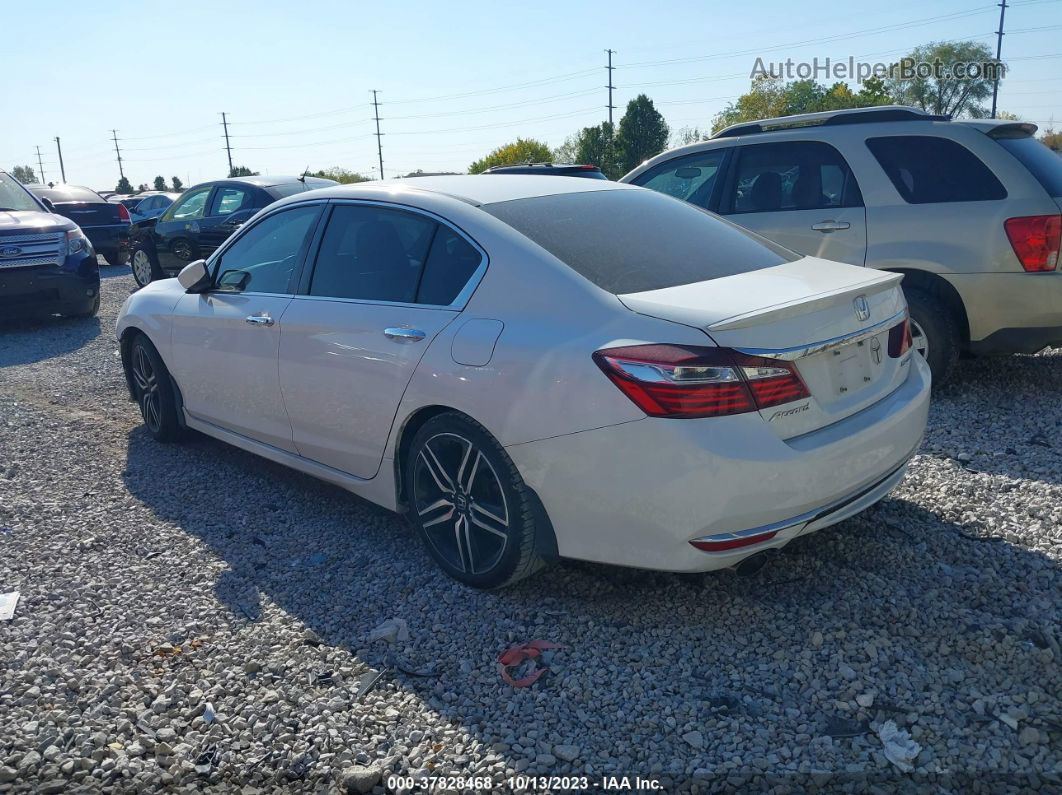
(225,341)
(176,233)
(385,283)
(230,207)
(801,194)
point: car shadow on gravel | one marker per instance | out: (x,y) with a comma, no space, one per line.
(896,614)
(34,340)
(991,417)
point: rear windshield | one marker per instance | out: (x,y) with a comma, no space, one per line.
(628,241)
(69,193)
(1043,163)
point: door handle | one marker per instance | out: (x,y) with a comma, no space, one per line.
(404,334)
(259,320)
(830,226)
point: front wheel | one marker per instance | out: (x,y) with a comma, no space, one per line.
(153,390)
(145,266)
(469,504)
(934,333)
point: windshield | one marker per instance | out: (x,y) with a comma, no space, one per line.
(629,241)
(14,197)
(68,193)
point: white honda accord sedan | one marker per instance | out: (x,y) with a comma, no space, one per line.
(531,367)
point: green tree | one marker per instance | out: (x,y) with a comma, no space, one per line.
(944,91)
(522,150)
(24,174)
(124,185)
(642,133)
(141,187)
(1052,140)
(342,175)
(770,97)
(686,135)
(160,183)
(241,171)
(565,153)
(177,184)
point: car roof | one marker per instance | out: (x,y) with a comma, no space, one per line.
(265,182)
(476,189)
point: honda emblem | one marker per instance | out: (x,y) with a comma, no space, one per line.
(862,307)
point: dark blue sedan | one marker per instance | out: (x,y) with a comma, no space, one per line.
(104,223)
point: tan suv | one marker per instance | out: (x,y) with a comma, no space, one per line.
(968,211)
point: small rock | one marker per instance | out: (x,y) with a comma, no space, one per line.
(847,671)
(569,753)
(1029,736)
(694,738)
(7,774)
(358,779)
(865,700)
(816,640)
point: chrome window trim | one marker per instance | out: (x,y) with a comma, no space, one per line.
(462,297)
(800,351)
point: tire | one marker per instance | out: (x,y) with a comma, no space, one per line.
(145,265)
(935,333)
(92,311)
(469,504)
(113,257)
(153,390)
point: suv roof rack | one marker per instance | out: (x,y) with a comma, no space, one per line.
(830,117)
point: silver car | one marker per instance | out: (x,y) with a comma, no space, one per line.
(532,368)
(968,211)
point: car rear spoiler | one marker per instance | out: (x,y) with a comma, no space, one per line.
(1017,129)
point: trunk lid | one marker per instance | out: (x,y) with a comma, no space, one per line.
(90,213)
(829,319)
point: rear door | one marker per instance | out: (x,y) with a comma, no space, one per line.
(801,194)
(385,283)
(225,341)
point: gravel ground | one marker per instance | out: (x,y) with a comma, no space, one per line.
(191,603)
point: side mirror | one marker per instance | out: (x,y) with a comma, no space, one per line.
(194,276)
(48,203)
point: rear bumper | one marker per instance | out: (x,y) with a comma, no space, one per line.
(637,494)
(108,238)
(27,292)
(1011,312)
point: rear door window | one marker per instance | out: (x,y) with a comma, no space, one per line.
(791,175)
(451,263)
(927,169)
(229,200)
(1042,163)
(629,241)
(372,254)
(691,178)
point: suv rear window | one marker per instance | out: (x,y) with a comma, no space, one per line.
(68,193)
(1042,163)
(927,169)
(628,241)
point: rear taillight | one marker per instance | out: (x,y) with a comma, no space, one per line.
(123,212)
(680,381)
(900,338)
(1036,240)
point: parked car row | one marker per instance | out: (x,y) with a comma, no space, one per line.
(105,224)
(621,371)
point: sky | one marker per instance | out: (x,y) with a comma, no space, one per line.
(455,79)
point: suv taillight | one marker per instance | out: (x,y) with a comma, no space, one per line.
(683,382)
(123,212)
(1036,240)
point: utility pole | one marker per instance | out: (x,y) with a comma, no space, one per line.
(114,137)
(379,142)
(610,107)
(62,168)
(228,149)
(610,67)
(999,51)
(40,164)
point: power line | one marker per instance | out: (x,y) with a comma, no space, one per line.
(379,144)
(228,148)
